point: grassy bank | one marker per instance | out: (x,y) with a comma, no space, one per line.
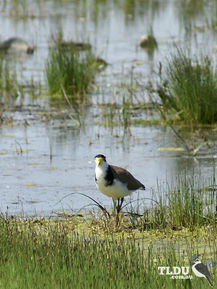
(57,254)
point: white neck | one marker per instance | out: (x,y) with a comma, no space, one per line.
(197,262)
(100,171)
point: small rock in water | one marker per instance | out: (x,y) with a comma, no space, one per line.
(148,41)
(16,44)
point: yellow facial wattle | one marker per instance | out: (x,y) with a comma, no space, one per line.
(98,161)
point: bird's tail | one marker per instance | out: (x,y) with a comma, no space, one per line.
(210,283)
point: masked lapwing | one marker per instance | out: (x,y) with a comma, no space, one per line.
(114,182)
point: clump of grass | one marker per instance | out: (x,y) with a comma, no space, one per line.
(189,87)
(69,71)
(187,204)
(8,81)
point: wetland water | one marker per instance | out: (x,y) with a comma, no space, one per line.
(42,161)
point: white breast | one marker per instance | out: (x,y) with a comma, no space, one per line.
(116,190)
(100,172)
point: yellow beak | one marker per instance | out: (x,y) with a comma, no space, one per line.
(98,161)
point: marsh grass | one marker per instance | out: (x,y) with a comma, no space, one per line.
(189,87)
(187,204)
(9,87)
(128,114)
(93,252)
(119,112)
(69,70)
(114,115)
(46,254)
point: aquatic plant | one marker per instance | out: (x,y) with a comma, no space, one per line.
(69,71)
(189,203)
(8,81)
(189,87)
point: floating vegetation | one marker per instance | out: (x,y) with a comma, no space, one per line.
(188,87)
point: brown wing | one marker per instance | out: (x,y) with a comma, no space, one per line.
(125,177)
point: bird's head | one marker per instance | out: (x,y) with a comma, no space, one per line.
(194,259)
(100,159)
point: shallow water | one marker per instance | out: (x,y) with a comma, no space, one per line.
(41,163)
(56,158)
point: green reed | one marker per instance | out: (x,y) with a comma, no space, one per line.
(189,87)
(69,71)
(189,203)
(8,81)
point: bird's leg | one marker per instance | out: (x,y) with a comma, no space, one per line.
(120,202)
(114,202)
(118,206)
(122,199)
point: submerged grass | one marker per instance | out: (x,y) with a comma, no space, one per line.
(189,87)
